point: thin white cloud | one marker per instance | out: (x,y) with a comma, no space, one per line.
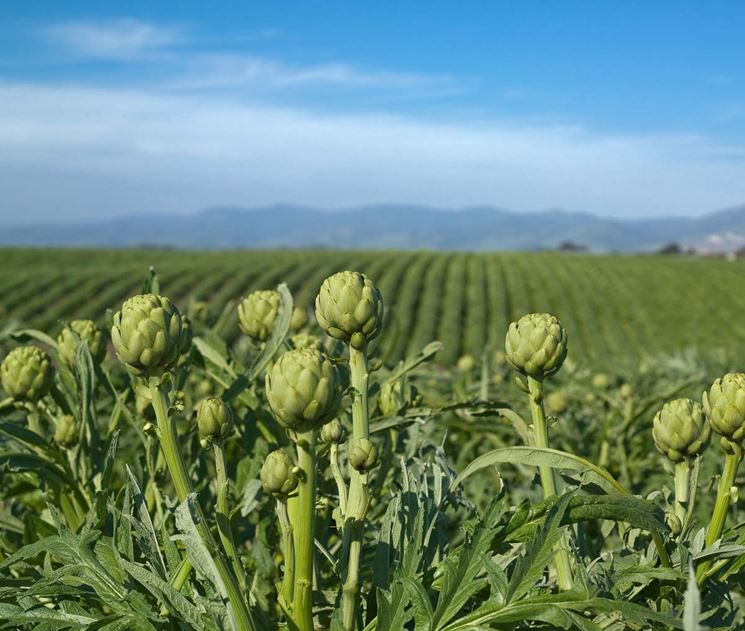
(123,39)
(101,152)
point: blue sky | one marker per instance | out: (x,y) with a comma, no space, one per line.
(617,108)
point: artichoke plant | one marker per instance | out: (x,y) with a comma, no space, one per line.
(680,429)
(350,308)
(66,431)
(80,331)
(257,313)
(304,389)
(278,475)
(214,419)
(725,406)
(536,345)
(27,373)
(148,335)
(363,455)
(333,432)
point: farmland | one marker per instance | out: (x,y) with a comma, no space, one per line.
(618,308)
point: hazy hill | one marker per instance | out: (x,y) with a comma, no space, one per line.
(389,226)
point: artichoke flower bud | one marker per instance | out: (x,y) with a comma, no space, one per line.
(350,308)
(601,381)
(257,313)
(278,474)
(536,345)
(305,340)
(673,522)
(333,432)
(466,363)
(363,455)
(83,331)
(556,402)
(680,429)
(304,389)
(299,319)
(725,406)
(66,432)
(26,374)
(392,397)
(626,391)
(148,335)
(214,419)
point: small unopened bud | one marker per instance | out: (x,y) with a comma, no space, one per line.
(278,475)
(333,433)
(363,455)
(66,432)
(214,419)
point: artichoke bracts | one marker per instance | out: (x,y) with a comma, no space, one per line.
(148,335)
(350,308)
(80,331)
(680,429)
(214,419)
(66,432)
(27,373)
(303,388)
(257,313)
(725,406)
(536,345)
(278,475)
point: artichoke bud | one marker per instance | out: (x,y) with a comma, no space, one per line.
(66,432)
(305,340)
(536,345)
(626,391)
(299,319)
(556,402)
(350,308)
(303,388)
(278,475)
(80,331)
(601,381)
(214,419)
(680,429)
(257,314)
(466,363)
(363,455)
(725,406)
(148,335)
(333,432)
(392,398)
(26,374)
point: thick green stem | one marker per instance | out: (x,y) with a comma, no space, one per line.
(240,613)
(359,496)
(721,505)
(288,552)
(548,479)
(222,515)
(304,531)
(682,489)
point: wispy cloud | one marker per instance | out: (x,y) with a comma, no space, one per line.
(106,151)
(123,39)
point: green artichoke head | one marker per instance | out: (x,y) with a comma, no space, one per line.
(148,335)
(363,455)
(680,429)
(26,373)
(466,363)
(278,474)
(299,319)
(66,432)
(556,402)
(333,432)
(350,308)
(724,405)
(257,313)
(80,331)
(305,340)
(304,389)
(214,419)
(600,381)
(392,397)
(536,345)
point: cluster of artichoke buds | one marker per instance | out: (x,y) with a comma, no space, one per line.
(350,308)
(27,374)
(257,313)
(66,431)
(536,345)
(80,331)
(149,335)
(725,408)
(278,474)
(214,420)
(680,429)
(303,388)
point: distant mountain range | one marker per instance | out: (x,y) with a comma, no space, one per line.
(390,226)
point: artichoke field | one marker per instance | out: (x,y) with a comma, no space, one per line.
(252,463)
